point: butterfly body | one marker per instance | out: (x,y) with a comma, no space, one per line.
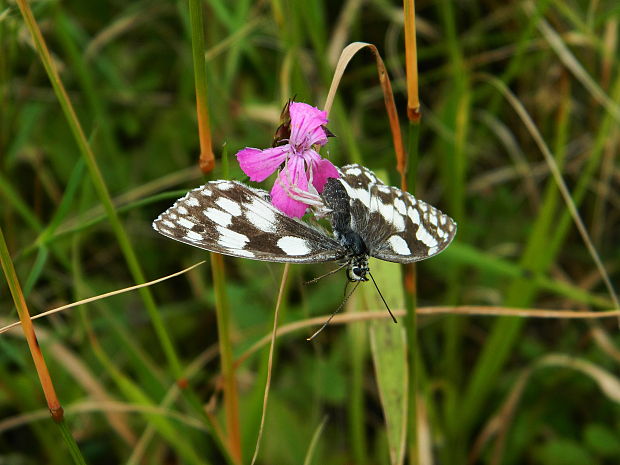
(368,219)
(336,199)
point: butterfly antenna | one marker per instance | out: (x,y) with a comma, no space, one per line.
(326,274)
(381,295)
(332,315)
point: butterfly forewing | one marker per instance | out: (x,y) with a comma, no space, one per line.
(231,218)
(394,225)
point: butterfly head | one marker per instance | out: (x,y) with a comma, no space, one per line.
(357,268)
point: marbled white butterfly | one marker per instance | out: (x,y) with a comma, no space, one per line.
(367,217)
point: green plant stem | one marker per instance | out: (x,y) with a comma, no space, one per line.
(356,412)
(409,271)
(231,398)
(412,365)
(74,450)
(100,186)
(410,285)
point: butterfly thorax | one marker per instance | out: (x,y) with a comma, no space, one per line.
(336,199)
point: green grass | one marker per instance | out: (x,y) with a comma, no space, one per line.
(99,135)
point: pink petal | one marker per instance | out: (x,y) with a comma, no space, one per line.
(307,126)
(321,171)
(259,164)
(294,174)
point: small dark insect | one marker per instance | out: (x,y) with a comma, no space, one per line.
(283,132)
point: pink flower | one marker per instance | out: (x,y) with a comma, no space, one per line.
(304,173)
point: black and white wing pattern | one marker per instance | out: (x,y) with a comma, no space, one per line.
(231,218)
(394,225)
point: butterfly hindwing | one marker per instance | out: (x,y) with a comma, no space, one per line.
(394,225)
(231,218)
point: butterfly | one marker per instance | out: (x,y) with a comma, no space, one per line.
(368,219)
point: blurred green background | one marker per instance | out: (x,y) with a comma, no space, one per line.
(493,389)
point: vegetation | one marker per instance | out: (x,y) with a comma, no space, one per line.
(511,361)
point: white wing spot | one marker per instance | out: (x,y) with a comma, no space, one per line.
(399,245)
(218,216)
(193,236)
(423,235)
(385,189)
(371,177)
(242,253)
(261,216)
(225,185)
(360,194)
(186,223)
(363,196)
(192,202)
(231,239)
(294,245)
(172,216)
(354,171)
(432,251)
(400,206)
(413,215)
(182,210)
(434,220)
(170,224)
(206,191)
(228,205)
(388,212)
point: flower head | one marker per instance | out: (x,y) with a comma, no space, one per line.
(304,173)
